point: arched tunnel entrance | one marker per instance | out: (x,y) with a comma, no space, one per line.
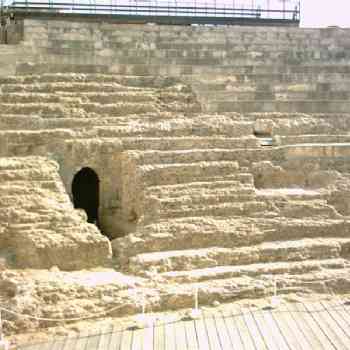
(85,190)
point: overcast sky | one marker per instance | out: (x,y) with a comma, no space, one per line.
(323,13)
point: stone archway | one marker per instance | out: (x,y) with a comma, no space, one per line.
(85,191)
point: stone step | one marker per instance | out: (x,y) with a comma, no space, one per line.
(202,188)
(23,185)
(290,194)
(278,82)
(243,179)
(31,226)
(235,201)
(306,208)
(186,69)
(175,173)
(18,163)
(80,110)
(320,138)
(187,233)
(77,97)
(184,156)
(17,188)
(311,124)
(30,201)
(24,122)
(185,51)
(120,82)
(152,125)
(67,87)
(227,206)
(254,270)
(260,70)
(28,216)
(302,106)
(147,72)
(292,228)
(210,58)
(195,126)
(239,288)
(15,175)
(183,143)
(71,82)
(317,150)
(28,98)
(201,232)
(283,251)
(278,96)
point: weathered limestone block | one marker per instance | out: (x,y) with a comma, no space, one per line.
(43,228)
(192,195)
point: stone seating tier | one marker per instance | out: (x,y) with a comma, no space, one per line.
(222,156)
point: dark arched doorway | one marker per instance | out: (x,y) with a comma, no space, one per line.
(85,190)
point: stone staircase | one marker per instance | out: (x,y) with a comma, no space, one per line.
(224,156)
(194,199)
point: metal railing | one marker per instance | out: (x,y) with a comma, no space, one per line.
(181,8)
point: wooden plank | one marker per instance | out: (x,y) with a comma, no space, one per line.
(169,336)
(159,340)
(245,335)
(254,330)
(278,337)
(191,336)
(221,330)
(82,340)
(300,326)
(70,344)
(116,338)
(265,330)
(233,331)
(346,311)
(328,325)
(347,307)
(202,336)
(148,340)
(180,336)
(314,332)
(126,340)
(336,310)
(106,335)
(214,342)
(93,341)
(292,334)
(137,339)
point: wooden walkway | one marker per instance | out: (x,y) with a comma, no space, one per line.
(323,325)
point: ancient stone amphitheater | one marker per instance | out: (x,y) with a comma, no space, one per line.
(214,159)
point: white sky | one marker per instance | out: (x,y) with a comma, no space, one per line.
(323,13)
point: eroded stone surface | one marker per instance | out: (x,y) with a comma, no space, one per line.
(222,157)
